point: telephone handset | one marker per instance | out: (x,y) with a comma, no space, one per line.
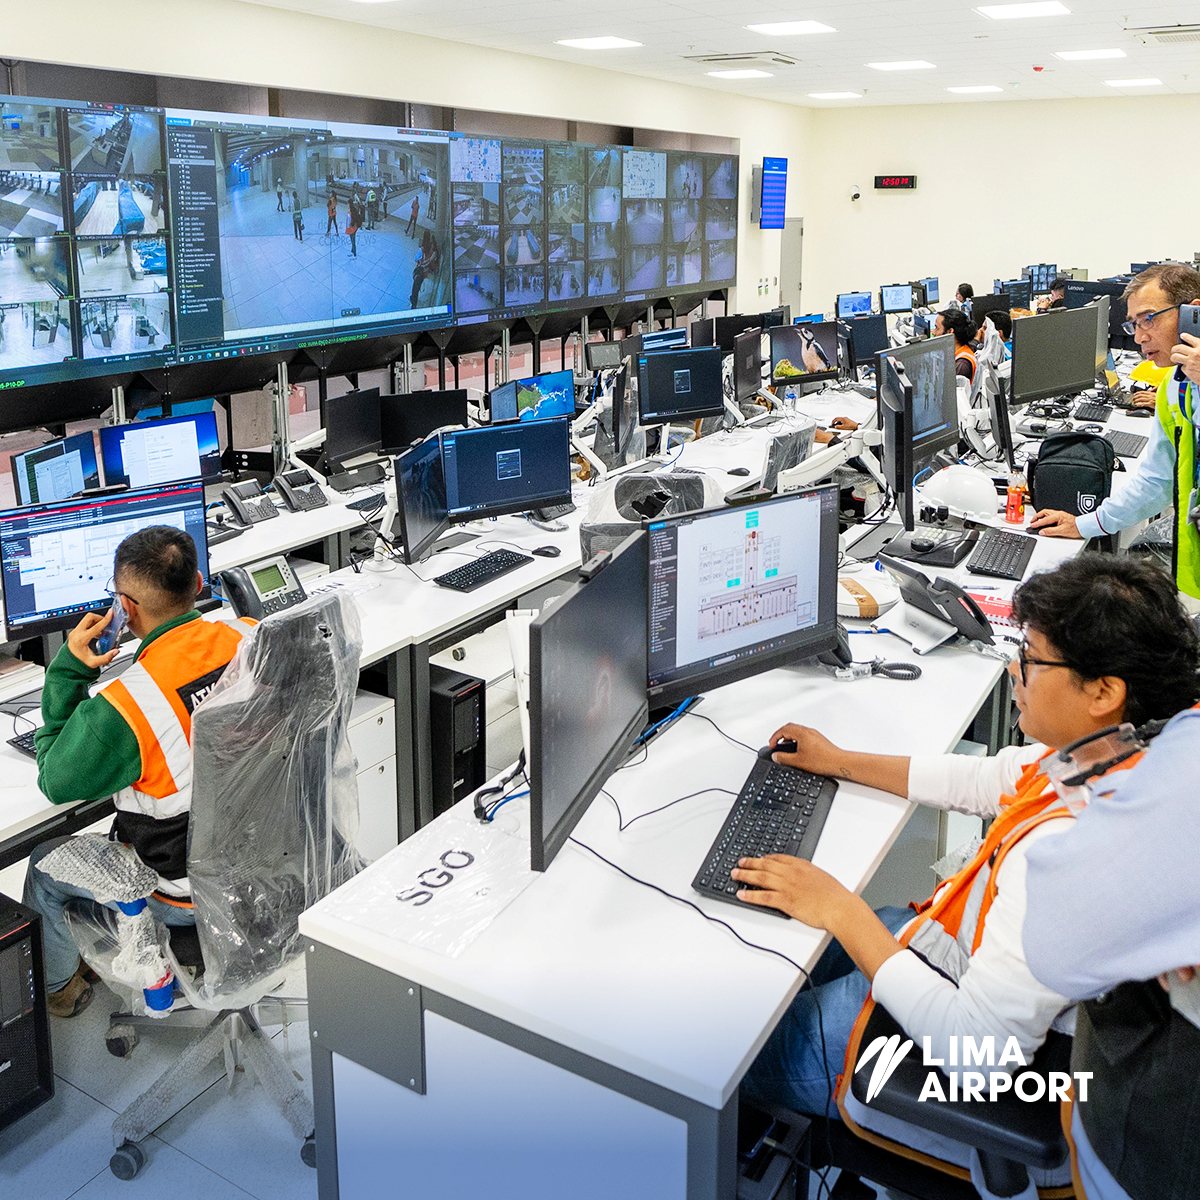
(940,598)
(248,502)
(262,588)
(300,491)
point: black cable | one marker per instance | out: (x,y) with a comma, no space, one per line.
(623,824)
(691,712)
(498,789)
(907,672)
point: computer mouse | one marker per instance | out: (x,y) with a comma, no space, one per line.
(547,551)
(783,746)
(1139,412)
(923,545)
(739,471)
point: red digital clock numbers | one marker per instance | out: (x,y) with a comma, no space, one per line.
(886,183)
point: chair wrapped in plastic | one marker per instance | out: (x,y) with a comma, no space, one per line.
(273,819)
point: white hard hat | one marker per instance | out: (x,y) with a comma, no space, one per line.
(965,491)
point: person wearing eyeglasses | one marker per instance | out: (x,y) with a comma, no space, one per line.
(1167,473)
(131,740)
(1105,641)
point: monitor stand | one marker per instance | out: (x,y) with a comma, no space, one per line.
(345,478)
(453,539)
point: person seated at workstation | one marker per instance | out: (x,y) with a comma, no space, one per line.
(963,295)
(131,740)
(1105,640)
(1057,297)
(1002,323)
(1167,469)
(957,322)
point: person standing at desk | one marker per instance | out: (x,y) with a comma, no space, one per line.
(132,740)
(1105,641)
(957,322)
(1169,470)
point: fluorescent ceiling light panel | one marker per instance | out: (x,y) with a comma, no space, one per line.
(599,43)
(835,95)
(976,89)
(741,73)
(791,28)
(1087,55)
(1017,12)
(918,64)
(1122,83)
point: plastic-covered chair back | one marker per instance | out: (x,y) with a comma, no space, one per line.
(274,795)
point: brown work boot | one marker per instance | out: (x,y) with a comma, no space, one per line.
(72,999)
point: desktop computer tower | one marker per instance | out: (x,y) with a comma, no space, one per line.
(458,735)
(26,1071)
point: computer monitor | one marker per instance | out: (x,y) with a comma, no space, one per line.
(679,385)
(809,318)
(734,592)
(56,559)
(726,329)
(420,500)
(1138,267)
(603,356)
(1001,421)
(406,420)
(701,332)
(1103,306)
(787,449)
(868,336)
(148,453)
(56,471)
(982,305)
(1053,355)
(747,365)
(1020,292)
(624,416)
(777,316)
(1040,275)
(804,353)
(353,426)
(510,468)
(896,298)
(665,339)
(587,694)
(918,410)
(1081,292)
(853,304)
(535,398)
(933,292)
(918,293)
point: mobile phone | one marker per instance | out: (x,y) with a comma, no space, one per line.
(116,626)
(1189,320)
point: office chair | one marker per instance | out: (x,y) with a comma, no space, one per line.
(1011,1137)
(272,766)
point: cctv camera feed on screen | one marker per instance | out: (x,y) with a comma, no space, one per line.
(288,230)
(806,351)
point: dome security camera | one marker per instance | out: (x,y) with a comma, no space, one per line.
(855,192)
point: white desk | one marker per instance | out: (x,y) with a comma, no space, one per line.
(595,1023)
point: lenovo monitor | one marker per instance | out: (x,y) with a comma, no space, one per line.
(406,420)
(1053,355)
(679,385)
(421,514)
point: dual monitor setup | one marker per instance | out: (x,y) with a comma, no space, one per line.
(894,299)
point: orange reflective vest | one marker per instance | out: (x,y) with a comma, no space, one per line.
(969,354)
(155,698)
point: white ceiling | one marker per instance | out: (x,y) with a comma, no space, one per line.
(965,47)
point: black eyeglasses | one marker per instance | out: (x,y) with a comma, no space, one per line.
(111,589)
(1144,322)
(1025,662)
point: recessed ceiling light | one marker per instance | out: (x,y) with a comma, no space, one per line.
(1015,12)
(791,28)
(918,64)
(1087,55)
(599,43)
(976,89)
(1120,83)
(835,95)
(741,73)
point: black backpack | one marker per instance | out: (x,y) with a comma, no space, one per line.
(1072,472)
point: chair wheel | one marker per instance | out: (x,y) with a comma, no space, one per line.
(308,1151)
(120,1040)
(127,1161)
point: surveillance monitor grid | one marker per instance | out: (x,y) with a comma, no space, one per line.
(804,353)
(896,298)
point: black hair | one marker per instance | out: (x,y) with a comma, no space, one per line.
(966,291)
(958,323)
(1109,615)
(162,557)
(1002,319)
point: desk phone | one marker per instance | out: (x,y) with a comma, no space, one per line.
(248,502)
(262,588)
(300,491)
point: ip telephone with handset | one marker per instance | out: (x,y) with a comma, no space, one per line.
(300,491)
(941,598)
(262,588)
(248,502)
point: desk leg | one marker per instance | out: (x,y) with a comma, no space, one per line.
(421,734)
(399,688)
(992,726)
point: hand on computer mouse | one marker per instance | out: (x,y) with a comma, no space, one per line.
(844,423)
(805,748)
(1052,522)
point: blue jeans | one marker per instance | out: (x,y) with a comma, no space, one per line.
(797,1067)
(48,896)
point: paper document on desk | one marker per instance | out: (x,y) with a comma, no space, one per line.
(442,887)
(824,406)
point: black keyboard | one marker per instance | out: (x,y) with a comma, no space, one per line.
(780,810)
(24,743)
(1089,411)
(1002,554)
(482,570)
(222,533)
(366,504)
(1127,445)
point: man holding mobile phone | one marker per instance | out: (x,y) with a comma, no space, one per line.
(1167,471)
(131,740)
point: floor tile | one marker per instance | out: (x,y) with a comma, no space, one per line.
(167,1173)
(504,742)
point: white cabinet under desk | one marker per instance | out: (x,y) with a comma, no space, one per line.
(372,735)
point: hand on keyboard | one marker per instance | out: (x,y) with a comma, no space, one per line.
(793,886)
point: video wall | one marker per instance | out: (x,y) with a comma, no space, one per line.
(133,238)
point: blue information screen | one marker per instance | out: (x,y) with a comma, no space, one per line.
(774,193)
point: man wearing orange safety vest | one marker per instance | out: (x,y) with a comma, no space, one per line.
(1105,641)
(131,740)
